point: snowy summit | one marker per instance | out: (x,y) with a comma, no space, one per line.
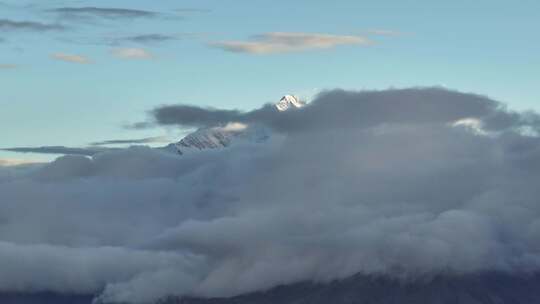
(289,101)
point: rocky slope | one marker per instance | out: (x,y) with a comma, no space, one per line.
(485,288)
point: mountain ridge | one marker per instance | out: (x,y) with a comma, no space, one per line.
(475,288)
(223,136)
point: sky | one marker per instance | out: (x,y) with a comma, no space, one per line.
(74,73)
(421,134)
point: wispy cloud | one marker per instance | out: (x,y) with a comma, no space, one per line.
(281,42)
(384,32)
(7,66)
(147,140)
(141,125)
(57,150)
(131,53)
(122,41)
(12,25)
(147,38)
(13,162)
(101,12)
(71,58)
(193,10)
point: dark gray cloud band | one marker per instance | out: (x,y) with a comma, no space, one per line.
(146,140)
(101,12)
(56,150)
(341,109)
(147,38)
(193,116)
(13,25)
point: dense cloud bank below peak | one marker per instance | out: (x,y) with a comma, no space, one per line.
(402,183)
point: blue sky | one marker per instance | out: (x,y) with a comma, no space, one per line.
(82,79)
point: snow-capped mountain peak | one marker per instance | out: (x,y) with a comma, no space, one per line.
(288,102)
(219,137)
(225,135)
(211,138)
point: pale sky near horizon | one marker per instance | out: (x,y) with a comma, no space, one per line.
(75,72)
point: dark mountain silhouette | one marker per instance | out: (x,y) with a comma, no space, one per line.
(485,288)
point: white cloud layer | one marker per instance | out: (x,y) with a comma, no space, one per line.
(379,182)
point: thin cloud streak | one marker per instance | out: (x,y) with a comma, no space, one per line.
(384,32)
(141,125)
(131,53)
(12,25)
(71,58)
(148,38)
(282,42)
(57,150)
(8,66)
(101,12)
(13,162)
(192,10)
(122,41)
(147,140)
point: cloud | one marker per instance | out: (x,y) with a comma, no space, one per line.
(57,263)
(71,58)
(8,66)
(147,38)
(11,25)
(132,53)
(13,162)
(397,183)
(102,12)
(147,140)
(383,32)
(280,42)
(116,41)
(56,150)
(363,109)
(6,162)
(141,125)
(192,10)
(194,116)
